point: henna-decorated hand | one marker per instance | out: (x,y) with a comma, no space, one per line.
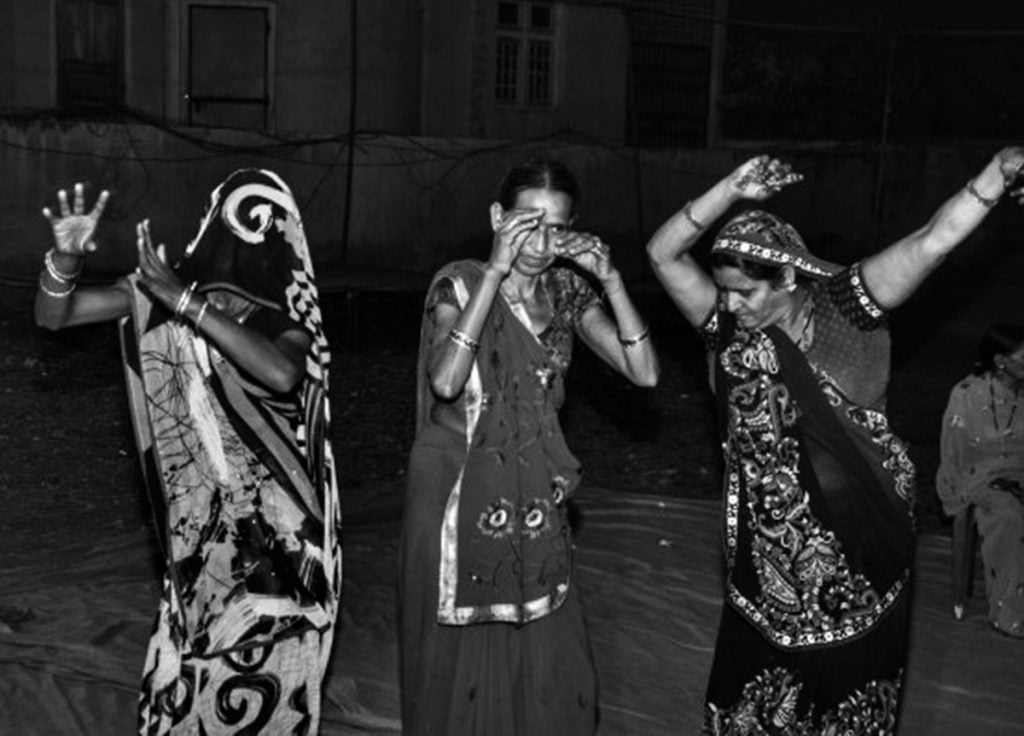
(762,176)
(589,251)
(1011,163)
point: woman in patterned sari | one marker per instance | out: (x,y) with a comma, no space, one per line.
(227,369)
(818,490)
(492,635)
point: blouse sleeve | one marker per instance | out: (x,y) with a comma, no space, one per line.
(442,292)
(710,330)
(272,323)
(575,294)
(854,302)
(954,453)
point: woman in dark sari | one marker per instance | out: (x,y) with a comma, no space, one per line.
(227,369)
(818,489)
(492,636)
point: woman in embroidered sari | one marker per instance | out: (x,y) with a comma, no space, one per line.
(818,490)
(982,465)
(492,637)
(226,364)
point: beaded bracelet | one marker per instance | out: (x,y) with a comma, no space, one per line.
(690,218)
(463,340)
(989,202)
(628,342)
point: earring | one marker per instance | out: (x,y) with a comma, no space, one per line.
(791,287)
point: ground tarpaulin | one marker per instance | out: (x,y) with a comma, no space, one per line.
(73,637)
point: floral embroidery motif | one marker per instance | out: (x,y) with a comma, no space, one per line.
(805,592)
(545,376)
(769,704)
(559,490)
(876,425)
(498,520)
(536,518)
(897,460)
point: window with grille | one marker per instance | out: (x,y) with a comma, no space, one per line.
(229,64)
(90,77)
(524,59)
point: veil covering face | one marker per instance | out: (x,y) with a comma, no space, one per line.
(242,479)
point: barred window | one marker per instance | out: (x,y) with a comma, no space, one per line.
(525,54)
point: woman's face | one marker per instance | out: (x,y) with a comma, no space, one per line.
(755,302)
(538,252)
(1012,364)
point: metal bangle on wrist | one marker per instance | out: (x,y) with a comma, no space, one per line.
(988,202)
(184,299)
(688,214)
(464,341)
(628,342)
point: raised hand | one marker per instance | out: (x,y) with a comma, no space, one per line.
(511,230)
(1011,164)
(589,251)
(762,176)
(74,229)
(158,278)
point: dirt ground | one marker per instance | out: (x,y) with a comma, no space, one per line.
(68,470)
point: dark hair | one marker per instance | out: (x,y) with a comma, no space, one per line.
(538,174)
(999,339)
(770,272)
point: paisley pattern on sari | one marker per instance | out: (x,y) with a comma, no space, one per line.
(772,697)
(818,527)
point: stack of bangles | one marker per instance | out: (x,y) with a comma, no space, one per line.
(628,342)
(65,282)
(185,300)
(464,341)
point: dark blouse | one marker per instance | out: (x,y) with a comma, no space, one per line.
(571,296)
(850,337)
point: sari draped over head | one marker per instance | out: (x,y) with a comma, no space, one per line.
(505,539)
(819,534)
(241,480)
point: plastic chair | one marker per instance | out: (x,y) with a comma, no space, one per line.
(965,543)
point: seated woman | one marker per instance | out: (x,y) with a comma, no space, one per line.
(227,368)
(982,464)
(818,488)
(493,638)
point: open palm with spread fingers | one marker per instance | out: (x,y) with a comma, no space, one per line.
(74,230)
(154,273)
(1011,164)
(763,176)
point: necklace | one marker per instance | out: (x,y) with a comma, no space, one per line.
(1006,428)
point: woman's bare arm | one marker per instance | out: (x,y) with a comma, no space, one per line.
(59,302)
(688,285)
(893,274)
